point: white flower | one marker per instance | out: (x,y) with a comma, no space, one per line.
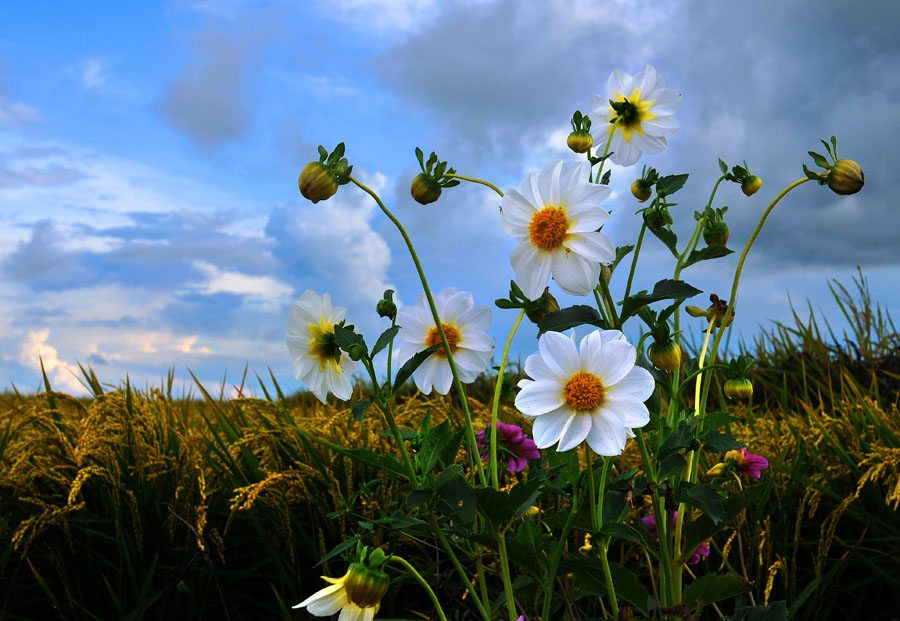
(334,598)
(318,361)
(648,115)
(595,394)
(465,326)
(555,215)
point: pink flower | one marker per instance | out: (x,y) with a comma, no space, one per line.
(513,441)
(702,550)
(747,463)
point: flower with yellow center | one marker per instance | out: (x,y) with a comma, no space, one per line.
(645,110)
(318,362)
(592,393)
(555,215)
(465,326)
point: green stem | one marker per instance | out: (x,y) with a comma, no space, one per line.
(495,406)
(482,583)
(665,568)
(474,180)
(600,305)
(556,554)
(589,460)
(445,543)
(612,130)
(614,317)
(470,432)
(386,409)
(390,354)
(425,585)
(507,581)
(637,251)
(604,543)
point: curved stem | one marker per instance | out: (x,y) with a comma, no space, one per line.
(470,433)
(495,406)
(425,585)
(474,180)
(637,251)
(386,410)
(604,543)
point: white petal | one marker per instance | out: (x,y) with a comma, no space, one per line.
(424,375)
(351,612)
(593,246)
(471,361)
(515,214)
(455,305)
(559,353)
(615,361)
(590,349)
(547,185)
(477,318)
(476,340)
(646,81)
(667,102)
(638,384)
(532,267)
(443,377)
(661,126)
(572,174)
(326,593)
(649,144)
(575,432)
(599,111)
(584,197)
(575,274)
(547,428)
(411,324)
(631,412)
(300,367)
(536,368)
(369,613)
(300,316)
(624,153)
(540,397)
(604,438)
(611,335)
(619,82)
(342,387)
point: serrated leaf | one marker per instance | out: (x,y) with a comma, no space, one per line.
(621,253)
(713,251)
(417,497)
(431,446)
(713,588)
(618,530)
(679,439)
(668,238)
(670,184)
(346,338)
(719,442)
(663,290)
(341,547)
(562,320)
(359,409)
(411,365)
(709,501)
(703,528)
(384,340)
(456,497)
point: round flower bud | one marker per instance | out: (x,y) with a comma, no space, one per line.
(695,311)
(718,470)
(386,308)
(666,357)
(425,189)
(542,307)
(716,234)
(365,586)
(655,219)
(580,142)
(317,183)
(738,388)
(846,177)
(751,185)
(640,191)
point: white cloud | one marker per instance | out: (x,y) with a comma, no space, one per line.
(17,114)
(259,289)
(35,350)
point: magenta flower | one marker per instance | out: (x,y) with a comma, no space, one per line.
(701,551)
(513,441)
(747,463)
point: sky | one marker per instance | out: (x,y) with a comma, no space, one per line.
(149,153)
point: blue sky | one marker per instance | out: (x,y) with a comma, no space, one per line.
(149,213)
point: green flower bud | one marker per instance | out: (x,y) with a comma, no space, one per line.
(846,177)
(666,356)
(718,470)
(425,189)
(716,234)
(738,388)
(640,191)
(543,306)
(317,182)
(580,141)
(751,185)
(695,311)
(386,306)
(657,219)
(365,586)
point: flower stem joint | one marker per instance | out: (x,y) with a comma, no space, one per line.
(319,181)
(427,185)
(580,139)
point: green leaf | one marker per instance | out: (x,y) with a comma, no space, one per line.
(339,548)
(719,442)
(448,451)
(723,167)
(456,497)
(670,184)
(667,237)
(432,444)
(663,290)
(618,530)
(704,528)
(417,497)
(679,439)
(500,507)
(820,160)
(589,575)
(811,175)
(615,508)
(411,365)
(562,320)
(525,549)
(776,612)
(712,588)
(714,251)
(384,340)
(346,338)
(506,304)
(714,420)
(566,462)
(359,409)
(400,520)
(672,466)
(384,462)
(621,253)
(706,497)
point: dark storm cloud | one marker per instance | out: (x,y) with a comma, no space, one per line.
(763,85)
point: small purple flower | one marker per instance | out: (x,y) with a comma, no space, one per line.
(702,550)
(514,442)
(747,463)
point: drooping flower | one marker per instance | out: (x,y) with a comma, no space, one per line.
(595,393)
(357,595)
(646,112)
(318,361)
(465,326)
(512,441)
(747,463)
(555,215)
(702,550)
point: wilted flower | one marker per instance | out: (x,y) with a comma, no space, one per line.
(465,326)
(645,109)
(747,463)
(555,216)
(318,361)
(513,441)
(702,550)
(595,394)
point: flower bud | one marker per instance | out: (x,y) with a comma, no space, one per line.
(386,306)
(656,219)
(365,586)
(751,185)
(716,234)
(846,177)
(317,183)
(665,356)
(738,388)
(543,306)
(716,471)
(695,311)
(425,189)
(580,141)
(640,191)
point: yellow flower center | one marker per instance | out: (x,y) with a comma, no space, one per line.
(548,228)
(636,112)
(584,391)
(736,455)
(322,346)
(434,338)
